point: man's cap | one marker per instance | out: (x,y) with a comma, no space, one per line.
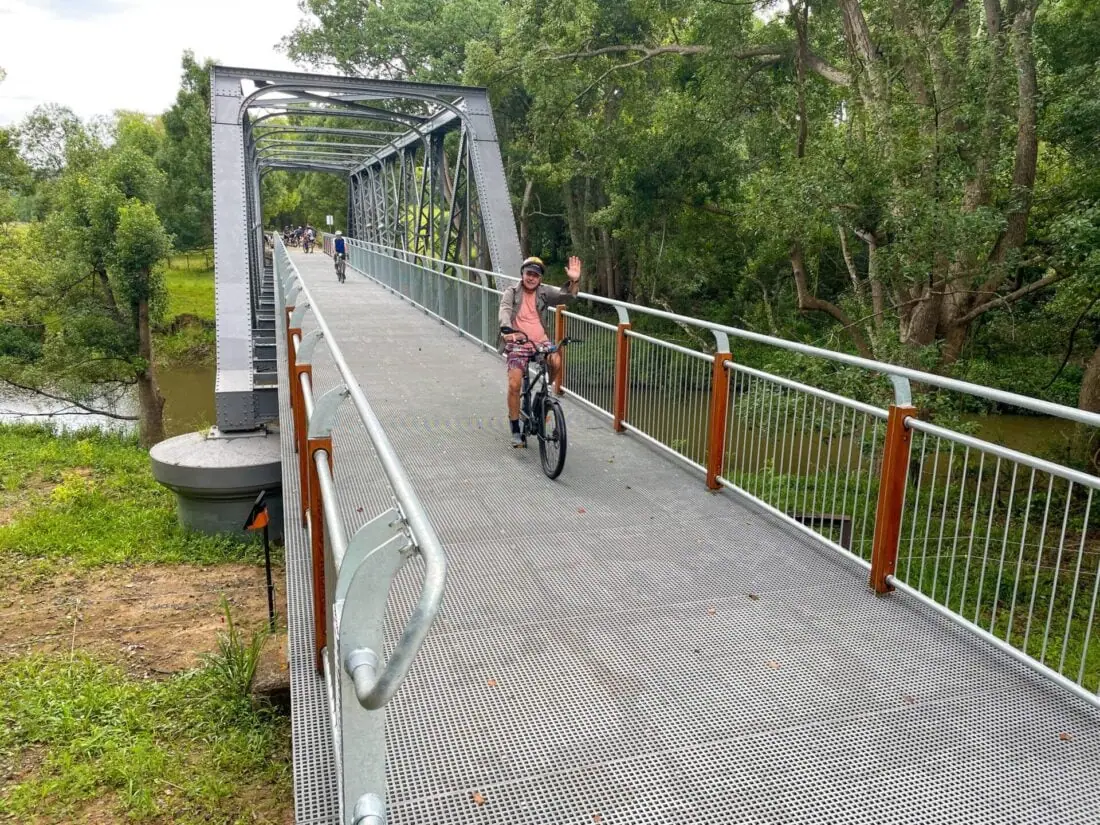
(533,264)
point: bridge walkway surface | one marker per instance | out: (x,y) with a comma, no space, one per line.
(622,646)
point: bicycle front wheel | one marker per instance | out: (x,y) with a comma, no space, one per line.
(552,441)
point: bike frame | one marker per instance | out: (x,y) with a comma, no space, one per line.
(532,389)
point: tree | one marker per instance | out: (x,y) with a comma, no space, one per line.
(187,202)
(85,282)
(44,137)
(140,243)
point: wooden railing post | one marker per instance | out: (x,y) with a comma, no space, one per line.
(317,545)
(559,333)
(891,496)
(622,374)
(719,408)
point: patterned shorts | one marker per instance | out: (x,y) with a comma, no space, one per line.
(519,354)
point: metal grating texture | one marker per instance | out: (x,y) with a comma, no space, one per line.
(316,800)
(621,646)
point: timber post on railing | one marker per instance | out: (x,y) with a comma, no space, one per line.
(891,496)
(622,369)
(559,334)
(320,440)
(303,381)
(719,409)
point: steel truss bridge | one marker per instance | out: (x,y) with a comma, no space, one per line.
(747,599)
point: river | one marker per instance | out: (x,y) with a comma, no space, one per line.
(189,406)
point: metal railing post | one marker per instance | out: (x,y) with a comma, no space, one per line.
(460,302)
(486,311)
(719,410)
(440,309)
(559,333)
(891,496)
(622,373)
(301,436)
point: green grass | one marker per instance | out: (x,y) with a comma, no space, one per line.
(191,345)
(79,739)
(187,334)
(91,499)
(188,750)
(190,285)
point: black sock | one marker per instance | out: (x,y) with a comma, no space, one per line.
(515,424)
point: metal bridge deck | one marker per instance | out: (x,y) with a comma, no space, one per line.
(620,646)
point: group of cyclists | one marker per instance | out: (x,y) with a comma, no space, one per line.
(303,236)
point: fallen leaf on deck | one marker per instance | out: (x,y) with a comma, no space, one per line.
(711,611)
(774,665)
(477,798)
(492,683)
(754,597)
(581,510)
(1065,736)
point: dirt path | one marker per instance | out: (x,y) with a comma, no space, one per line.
(154,620)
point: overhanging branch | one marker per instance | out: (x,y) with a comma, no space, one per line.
(1012,297)
(70,401)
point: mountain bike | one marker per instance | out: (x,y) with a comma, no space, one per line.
(540,413)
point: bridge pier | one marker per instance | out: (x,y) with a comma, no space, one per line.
(217,476)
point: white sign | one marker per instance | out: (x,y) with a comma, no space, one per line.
(328,220)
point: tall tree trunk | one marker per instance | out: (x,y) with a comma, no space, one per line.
(150,401)
(524,221)
(1027,141)
(1089,399)
(1087,437)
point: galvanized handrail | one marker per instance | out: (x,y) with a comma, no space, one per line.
(374,690)
(930,379)
(837,469)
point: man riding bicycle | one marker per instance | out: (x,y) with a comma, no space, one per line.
(339,255)
(521,308)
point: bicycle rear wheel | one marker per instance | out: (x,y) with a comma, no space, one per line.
(552,440)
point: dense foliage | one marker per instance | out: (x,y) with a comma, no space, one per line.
(914,181)
(81,276)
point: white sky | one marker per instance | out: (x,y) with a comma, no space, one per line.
(96,56)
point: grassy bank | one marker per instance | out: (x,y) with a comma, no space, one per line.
(186,335)
(83,737)
(89,499)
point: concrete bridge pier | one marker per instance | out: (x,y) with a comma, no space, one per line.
(216,477)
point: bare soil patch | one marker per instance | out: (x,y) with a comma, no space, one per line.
(153,620)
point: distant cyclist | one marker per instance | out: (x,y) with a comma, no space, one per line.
(339,255)
(521,308)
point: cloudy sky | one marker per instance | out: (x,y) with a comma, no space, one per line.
(96,56)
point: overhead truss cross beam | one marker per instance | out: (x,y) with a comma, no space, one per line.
(424,175)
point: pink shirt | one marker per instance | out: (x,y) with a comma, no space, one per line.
(528,321)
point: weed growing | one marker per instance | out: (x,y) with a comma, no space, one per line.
(234,663)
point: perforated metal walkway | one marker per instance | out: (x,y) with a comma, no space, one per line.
(620,646)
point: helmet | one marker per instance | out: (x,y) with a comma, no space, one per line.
(534,264)
(338,232)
